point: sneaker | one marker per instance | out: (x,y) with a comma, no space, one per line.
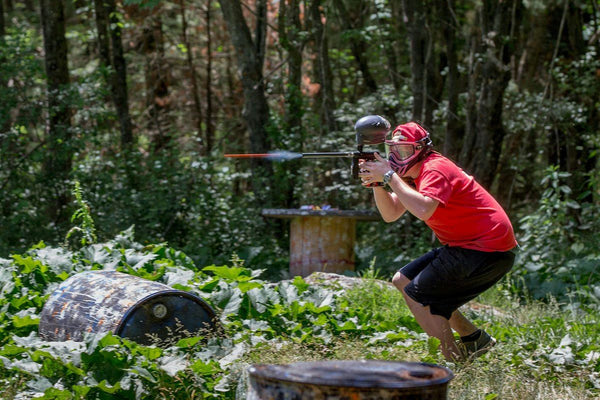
(482,345)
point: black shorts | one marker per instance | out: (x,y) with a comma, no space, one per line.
(448,277)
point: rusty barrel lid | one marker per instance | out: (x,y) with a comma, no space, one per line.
(356,374)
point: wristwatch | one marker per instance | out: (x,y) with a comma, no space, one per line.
(388,176)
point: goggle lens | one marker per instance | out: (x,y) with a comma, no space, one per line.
(400,151)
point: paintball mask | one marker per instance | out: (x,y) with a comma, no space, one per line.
(410,143)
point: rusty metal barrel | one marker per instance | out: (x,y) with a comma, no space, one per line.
(144,311)
(365,380)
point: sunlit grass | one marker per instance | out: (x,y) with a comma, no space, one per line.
(519,367)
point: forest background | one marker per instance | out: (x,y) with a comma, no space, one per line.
(114,119)
(137,101)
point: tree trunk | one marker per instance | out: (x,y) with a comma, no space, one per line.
(358,46)
(395,45)
(453,124)
(289,29)
(250,64)
(102,28)
(291,41)
(496,19)
(5,116)
(579,154)
(157,82)
(57,164)
(325,75)
(414,19)
(110,33)
(508,168)
(121,97)
(197,108)
(29,5)
(210,126)
(434,82)
(2,23)
(474,65)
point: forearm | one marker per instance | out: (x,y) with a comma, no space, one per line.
(404,198)
(388,204)
(411,200)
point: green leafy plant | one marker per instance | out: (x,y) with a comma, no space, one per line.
(557,256)
(82,213)
(262,321)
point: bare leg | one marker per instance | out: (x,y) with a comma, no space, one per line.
(434,325)
(461,324)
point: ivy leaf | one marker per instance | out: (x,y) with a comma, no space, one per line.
(25,365)
(59,260)
(300,284)
(246,286)
(143,372)
(262,297)
(205,369)
(12,350)
(188,342)
(229,273)
(28,264)
(27,320)
(209,286)
(137,259)
(234,302)
(40,384)
(288,292)
(108,388)
(172,365)
(81,391)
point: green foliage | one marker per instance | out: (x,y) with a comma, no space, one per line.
(87,228)
(26,187)
(24,68)
(206,206)
(252,311)
(185,200)
(301,321)
(143,3)
(559,254)
(179,198)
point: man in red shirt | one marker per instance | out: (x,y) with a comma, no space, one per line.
(474,229)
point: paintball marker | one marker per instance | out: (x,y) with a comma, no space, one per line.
(371,129)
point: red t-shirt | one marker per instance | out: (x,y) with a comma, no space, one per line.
(467,216)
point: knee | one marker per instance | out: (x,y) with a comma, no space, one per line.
(400,281)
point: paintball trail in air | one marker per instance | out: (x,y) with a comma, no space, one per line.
(282,155)
(272,156)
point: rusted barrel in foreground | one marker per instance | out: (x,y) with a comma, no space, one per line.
(351,380)
(138,309)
